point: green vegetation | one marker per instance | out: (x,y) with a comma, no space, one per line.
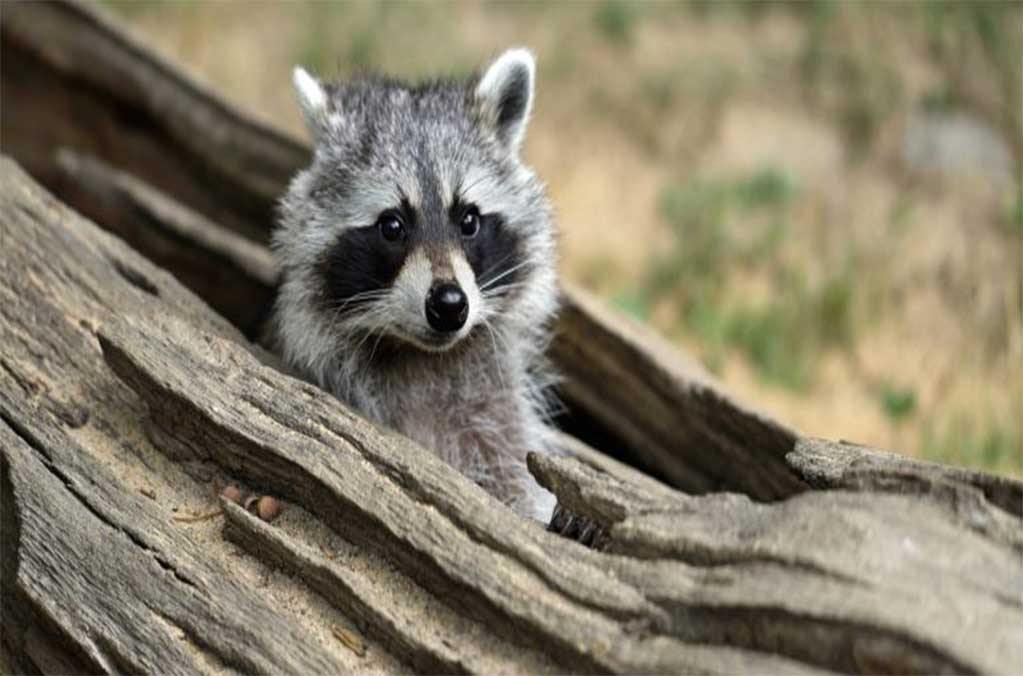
(1013,216)
(847,80)
(901,215)
(316,51)
(964,37)
(725,226)
(898,403)
(133,7)
(615,20)
(962,440)
(633,304)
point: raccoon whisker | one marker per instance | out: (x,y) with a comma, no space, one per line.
(375,313)
(340,316)
(362,341)
(354,303)
(372,294)
(499,291)
(495,266)
(499,299)
(552,406)
(373,350)
(496,331)
(490,282)
(372,307)
(493,341)
(366,294)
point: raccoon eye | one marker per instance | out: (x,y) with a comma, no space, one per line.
(470,222)
(391,227)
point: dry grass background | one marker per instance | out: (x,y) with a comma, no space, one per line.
(736,174)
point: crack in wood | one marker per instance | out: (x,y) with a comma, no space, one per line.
(48,462)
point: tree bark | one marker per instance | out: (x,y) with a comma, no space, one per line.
(126,399)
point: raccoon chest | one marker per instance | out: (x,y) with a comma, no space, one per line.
(464,434)
(481,429)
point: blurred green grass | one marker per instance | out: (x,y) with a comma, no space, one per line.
(784,336)
(962,439)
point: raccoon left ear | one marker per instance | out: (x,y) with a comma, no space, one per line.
(312,98)
(506,92)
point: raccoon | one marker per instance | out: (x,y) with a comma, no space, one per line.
(419,267)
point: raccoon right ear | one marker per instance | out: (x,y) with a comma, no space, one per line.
(312,98)
(506,93)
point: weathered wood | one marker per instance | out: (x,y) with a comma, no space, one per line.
(96,576)
(140,589)
(826,464)
(70,77)
(448,643)
(375,486)
(663,413)
(802,565)
(664,408)
(860,571)
(96,581)
(234,275)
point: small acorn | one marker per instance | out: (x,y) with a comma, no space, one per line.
(268,508)
(232,493)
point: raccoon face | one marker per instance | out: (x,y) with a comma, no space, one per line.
(427,278)
(416,220)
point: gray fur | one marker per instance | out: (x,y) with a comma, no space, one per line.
(477,403)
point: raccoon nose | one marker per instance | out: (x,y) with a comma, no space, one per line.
(446,307)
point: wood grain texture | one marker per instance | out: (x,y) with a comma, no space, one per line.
(235,275)
(102,583)
(835,579)
(448,643)
(861,570)
(134,110)
(828,464)
(666,410)
(375,486)
(96,576)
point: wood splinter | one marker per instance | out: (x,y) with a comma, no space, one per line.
(349,639)
(204,516)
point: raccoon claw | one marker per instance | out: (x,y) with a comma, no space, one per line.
(579,528)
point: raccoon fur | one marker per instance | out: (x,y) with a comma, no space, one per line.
(418,260)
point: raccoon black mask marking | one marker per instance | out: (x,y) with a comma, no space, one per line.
(419,266)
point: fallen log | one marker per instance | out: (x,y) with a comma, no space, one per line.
(113,381)
(124,398)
